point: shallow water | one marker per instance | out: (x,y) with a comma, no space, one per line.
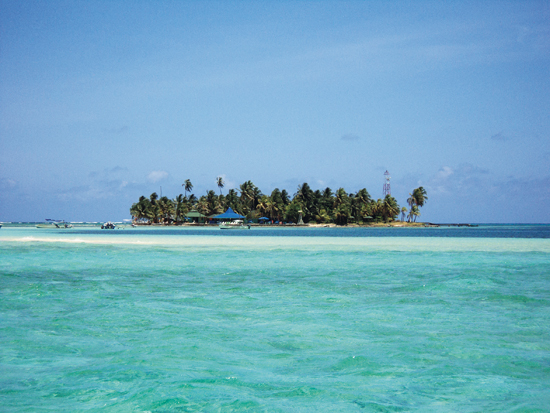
(275,320)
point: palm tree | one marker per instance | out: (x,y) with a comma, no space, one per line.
(367,211)
(390,208)
(377,210)
(134,211)
(342,214)
(264,205)
(403,213)
(246,196)
(277,204)
(304,195)
(181,207)
(285,197)
(417,199)
(411,200)
(341,197)
(341,207)
(364,196)
(359,202)
(275,209)
(256,195)
(140,209)
(355,207)
(213,203)
(327,193)
(316,204)
(327,200)
(220,183)
(420,195)
(322,216)
(154,211)
(188,186)
(292,211)
(250,194)
(413,213)
(192,200)
(269,207)
(202,206)
(232,201)
(166,209)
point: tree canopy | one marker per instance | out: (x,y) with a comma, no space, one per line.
(319,206)
(416,199)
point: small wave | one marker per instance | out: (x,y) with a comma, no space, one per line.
(311,244)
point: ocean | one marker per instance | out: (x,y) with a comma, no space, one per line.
(275,320)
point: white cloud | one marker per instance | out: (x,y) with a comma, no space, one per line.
(464,177)
(156,176)
(444,173)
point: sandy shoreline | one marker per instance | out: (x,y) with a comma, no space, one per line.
(397,224)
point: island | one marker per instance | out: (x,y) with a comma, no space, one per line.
(305,207)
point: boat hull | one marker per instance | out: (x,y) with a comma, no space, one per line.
(234,226)
(55,226)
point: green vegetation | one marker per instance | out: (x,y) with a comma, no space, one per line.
(321,207)
(417,199)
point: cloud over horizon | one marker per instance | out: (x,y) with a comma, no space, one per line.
(157,176)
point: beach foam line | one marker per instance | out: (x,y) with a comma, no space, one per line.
(75,241)
(367,244)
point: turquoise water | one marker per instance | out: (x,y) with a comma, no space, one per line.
(275,320)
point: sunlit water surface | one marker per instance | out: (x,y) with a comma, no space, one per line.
(346,320)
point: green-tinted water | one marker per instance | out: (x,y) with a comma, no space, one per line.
(162,322)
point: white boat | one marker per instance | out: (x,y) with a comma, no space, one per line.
(108,225)
(236,221)
(238,224)
(55,223)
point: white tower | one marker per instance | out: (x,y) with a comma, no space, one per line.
(387,189)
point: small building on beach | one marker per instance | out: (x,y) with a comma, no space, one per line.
(196,217)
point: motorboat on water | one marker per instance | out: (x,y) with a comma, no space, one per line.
(238,224)
(232,220)
(108,225)
(55,223)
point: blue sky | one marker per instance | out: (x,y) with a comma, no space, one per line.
(104,101)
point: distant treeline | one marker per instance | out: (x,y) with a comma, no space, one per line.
(318,206)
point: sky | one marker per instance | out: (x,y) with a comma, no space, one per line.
(104,101)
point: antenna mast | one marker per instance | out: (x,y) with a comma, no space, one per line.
(387,189)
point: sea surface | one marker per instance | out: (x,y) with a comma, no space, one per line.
(275,320)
